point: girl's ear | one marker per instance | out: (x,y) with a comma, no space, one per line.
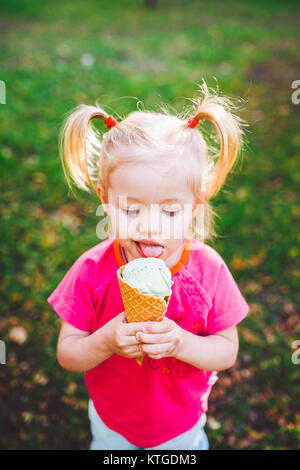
(200,200)
(195,207)
(202,197)
(101,194)
(99,191)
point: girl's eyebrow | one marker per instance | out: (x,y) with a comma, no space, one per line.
(166,200)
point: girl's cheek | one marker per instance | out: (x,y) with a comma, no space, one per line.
(175,227)
(117,223)
(186,219)
(126,226)
(132,228)
(167,228)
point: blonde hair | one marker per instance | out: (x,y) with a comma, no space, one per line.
(147,136)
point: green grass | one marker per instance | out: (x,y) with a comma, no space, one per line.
(153,56)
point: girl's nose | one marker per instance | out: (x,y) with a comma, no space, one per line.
(150,222)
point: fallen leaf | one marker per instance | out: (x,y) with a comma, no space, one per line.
(213,423)
(18,334)
(238,263)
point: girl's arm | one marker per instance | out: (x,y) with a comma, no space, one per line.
(214,352)
(79,351)
(167,339)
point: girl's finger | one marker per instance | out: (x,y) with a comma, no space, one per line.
(157,326)
(154,338)
(135,349)
(130,329)
(130,340)
(149,327)
(156,348)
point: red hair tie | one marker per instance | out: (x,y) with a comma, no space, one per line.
(110,122)
(192,122)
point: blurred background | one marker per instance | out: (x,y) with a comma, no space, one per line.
(123,54)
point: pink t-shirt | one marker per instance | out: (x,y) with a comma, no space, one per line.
(157,401)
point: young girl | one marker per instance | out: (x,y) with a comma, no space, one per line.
(155,176)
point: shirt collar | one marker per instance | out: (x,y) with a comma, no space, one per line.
(174,269)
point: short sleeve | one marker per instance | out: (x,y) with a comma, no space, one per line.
(228,305)
(72,300)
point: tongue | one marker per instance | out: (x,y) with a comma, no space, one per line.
(151,250)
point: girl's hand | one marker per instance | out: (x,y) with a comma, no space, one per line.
(160,339)
(121,336)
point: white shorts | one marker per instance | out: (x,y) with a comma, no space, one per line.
(104,438)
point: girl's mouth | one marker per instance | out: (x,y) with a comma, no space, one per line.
(148,248)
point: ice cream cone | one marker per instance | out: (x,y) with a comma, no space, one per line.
(140,307)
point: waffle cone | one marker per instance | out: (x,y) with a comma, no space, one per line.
(141,307)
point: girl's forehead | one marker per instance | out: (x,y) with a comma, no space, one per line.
(145,181)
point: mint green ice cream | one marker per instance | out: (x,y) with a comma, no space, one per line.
(150,275)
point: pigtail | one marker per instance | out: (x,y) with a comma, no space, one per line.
(218,110)
(79,146)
